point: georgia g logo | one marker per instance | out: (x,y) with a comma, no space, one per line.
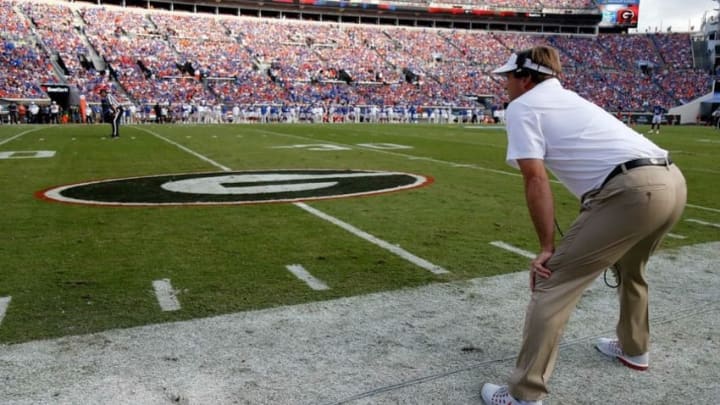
(626,15)
(242,187)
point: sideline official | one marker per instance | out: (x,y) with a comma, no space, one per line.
(112,111)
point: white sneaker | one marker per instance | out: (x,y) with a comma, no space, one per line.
(611,347)
(498,395)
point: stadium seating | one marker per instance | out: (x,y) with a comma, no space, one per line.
(186,61)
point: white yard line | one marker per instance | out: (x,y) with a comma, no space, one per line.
(697,221)
(19,135)
(190,151)
(444,162)
(686,169)
(404,155)
(484,127)
(4,303)
(418,261)
(511,248)
(302,274)
(166,295)
(355,231)
(676,236)
(700,207)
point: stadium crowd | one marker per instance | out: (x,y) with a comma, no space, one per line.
(176,66)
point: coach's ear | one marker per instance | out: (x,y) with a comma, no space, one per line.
(526,79)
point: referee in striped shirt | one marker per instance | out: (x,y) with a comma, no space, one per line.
(112,111)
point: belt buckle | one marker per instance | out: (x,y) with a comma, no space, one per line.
(657,162)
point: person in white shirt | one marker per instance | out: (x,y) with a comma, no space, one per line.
(54,113)
(236,114)
(631,194)
(34,111)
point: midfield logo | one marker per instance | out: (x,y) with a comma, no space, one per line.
(244,187)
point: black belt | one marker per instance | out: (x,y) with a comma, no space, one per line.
(631,164)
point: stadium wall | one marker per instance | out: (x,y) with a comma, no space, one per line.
(542,20)
(692,112)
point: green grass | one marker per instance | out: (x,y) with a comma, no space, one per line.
(73,269)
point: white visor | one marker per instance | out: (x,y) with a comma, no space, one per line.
(512,66)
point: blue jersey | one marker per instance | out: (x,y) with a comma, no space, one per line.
(657,110)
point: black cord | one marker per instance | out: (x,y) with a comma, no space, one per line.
(558,228)
(616,276)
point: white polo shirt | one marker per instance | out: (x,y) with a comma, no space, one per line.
(579,142)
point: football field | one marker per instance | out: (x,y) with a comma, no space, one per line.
(314,264)
(173,222)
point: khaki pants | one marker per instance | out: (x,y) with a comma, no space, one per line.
(622,224)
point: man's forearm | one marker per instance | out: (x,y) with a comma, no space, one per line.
(540,205)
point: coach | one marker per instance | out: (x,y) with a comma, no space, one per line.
(631,195)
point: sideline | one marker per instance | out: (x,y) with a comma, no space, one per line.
(484,126)
(433,344)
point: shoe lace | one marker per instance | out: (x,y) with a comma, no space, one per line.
(615,347)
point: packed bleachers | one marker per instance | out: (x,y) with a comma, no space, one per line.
(674,50)
(156,57)
(23,67)
(142,61)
